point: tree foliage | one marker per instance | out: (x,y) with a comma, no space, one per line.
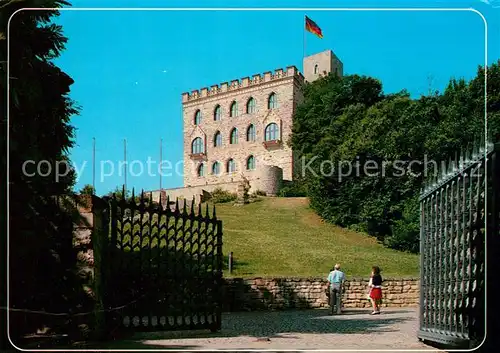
(87,190)
(121,193)
(360,147)
(41,256)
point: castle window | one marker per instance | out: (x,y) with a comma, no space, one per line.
(218,139)
(197,117)
(251,106)
(251,163)
(217,113)
(216,168)
(316,69)
(197,146)
(234,137)
(231,166)
(201,170)
(271,132)
(251,133)
(272,101)
(234,110)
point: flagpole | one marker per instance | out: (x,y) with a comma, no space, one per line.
(304,40)
(159,168)
(93,165)
(125,166)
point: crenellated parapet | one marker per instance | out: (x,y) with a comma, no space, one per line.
(245,82)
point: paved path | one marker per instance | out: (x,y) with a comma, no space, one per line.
(355,329)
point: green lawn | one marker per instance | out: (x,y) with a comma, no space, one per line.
(283,237)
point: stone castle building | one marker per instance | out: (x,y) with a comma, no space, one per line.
(243,127)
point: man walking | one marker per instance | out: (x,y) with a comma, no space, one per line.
(336,280)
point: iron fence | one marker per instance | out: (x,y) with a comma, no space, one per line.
(167,262)
(459,213)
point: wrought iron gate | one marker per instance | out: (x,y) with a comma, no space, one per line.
(164,266)
(459,212)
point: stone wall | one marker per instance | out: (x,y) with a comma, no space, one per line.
(268,179)
(189,193)
(284,293)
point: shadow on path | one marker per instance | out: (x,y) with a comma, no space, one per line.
(286,323)
(262,328)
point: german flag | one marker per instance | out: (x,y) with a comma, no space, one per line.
(312,27)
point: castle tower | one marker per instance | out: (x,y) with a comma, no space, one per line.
(321,64)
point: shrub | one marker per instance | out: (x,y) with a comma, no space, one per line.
(220,195)
(405,232)
(257,193)
(293,189)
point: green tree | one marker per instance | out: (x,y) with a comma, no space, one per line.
(87,190)
(41,254)
(130,195)
(349,121)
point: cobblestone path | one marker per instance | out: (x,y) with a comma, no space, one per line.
(355,329)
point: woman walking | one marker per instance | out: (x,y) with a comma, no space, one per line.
(375,286)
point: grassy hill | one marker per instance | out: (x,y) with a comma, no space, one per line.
(283,237)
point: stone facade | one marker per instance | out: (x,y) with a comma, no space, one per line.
(283,84)
(269,180)
(320,64)
(286,293)
(202,124)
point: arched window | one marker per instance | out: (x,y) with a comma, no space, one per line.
(251,133)
(197,146)
(231,166)
(217,113)
(234,110)
(201,170)
(233,140)
(272,102)
(197,117)
(251,163)
(251,106)
(316,68)
(271,132)
(217,139)
(216,168)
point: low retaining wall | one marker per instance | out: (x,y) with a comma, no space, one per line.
(284,293)
(269,183)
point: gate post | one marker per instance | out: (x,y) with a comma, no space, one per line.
(100,233)
(493,253)
(89,235)
(220,279)
(422,264)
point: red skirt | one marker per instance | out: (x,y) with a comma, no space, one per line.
(376,293)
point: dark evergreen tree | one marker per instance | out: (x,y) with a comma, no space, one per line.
(41,256)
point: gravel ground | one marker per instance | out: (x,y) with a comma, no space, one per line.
(355,329)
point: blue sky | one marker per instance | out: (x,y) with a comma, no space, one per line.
(130,68)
